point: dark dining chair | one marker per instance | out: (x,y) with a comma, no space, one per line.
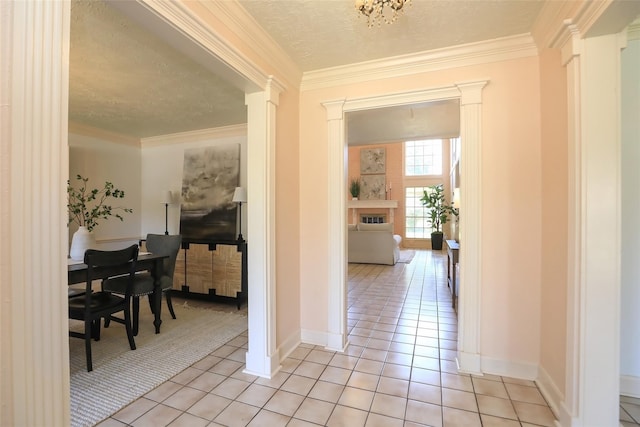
(92,306)
(160,244)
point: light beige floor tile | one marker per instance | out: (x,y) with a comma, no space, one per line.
(425,393)
(289,365)
(256,395)
(111,422)
(284,402)
(184,398)
(320,356)
(298,384)
(373,354)
(426,376)
(496,406)
(314,411)
(489,388)
(400,347)
(344,362)
(393,386)
(459,399)
(237,414)
(158,416)
(163,391)
(525,394)
(356,398)
(267,418)
(188,420)
(209,406)
(518,381)
(378,420)
(207,381)
(391,406)
(424,413)
(491,421)
(456,417)
(134,410)
(396,371)
(309,369)
(343,416)
(186,376)
(369,366)
(300,353)
(336,375)
(399,358)
(632,409)
(449,366)
(458,382)
(225,367)
(426,363)
(425,351)
(230,388)
(300,423)
(534,414)
(206,363)
(329,392)
(276,381)
(363,380)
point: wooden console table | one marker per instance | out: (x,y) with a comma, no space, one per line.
(453,248)
(212,270)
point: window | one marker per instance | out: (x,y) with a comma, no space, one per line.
(417,222)
(423,157)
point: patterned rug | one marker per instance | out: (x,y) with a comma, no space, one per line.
(121,375)
(406,255)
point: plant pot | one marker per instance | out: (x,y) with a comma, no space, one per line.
(82,240)
(436,240)
(354,198)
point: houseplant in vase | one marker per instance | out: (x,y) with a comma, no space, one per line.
(86,207)
(354,188)
(439,211)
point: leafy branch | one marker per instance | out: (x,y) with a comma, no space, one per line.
(86,207)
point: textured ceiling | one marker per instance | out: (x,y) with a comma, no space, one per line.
(125,80)
(327,33)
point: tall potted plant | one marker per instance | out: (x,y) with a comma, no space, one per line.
(439,211)
(354,188)
(86,207)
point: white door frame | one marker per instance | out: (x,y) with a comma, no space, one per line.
(470,96)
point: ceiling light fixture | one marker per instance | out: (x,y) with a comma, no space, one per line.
(374,10)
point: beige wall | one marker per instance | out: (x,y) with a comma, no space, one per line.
(553,322)
(510,208)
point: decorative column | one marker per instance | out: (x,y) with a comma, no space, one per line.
(34,355)
(262,357)
(337,217)
(469,315)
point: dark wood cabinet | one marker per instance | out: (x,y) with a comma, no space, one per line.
(453,249)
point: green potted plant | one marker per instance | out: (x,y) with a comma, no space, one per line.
(354,188)
(439,211)
(86,207)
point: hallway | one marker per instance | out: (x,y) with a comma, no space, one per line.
(399,370)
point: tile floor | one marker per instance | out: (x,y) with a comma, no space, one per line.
(629,411)
(399,370)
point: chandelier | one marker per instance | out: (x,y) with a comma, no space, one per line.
(375,11)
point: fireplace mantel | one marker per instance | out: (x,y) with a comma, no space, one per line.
(372,204)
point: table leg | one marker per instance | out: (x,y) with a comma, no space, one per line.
(157,295)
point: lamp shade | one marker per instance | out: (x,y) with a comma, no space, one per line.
(166,197)
(240,195)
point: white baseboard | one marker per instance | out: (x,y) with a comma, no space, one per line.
(313,337)
(630,386)
(551,393)
(290,344)
(508,368)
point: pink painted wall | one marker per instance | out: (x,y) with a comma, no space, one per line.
(554,125)
(511,186)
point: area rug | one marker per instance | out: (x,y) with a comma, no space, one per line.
(121,375)
(406,255)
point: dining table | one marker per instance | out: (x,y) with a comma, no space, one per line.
(147,261)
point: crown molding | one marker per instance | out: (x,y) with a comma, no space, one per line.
(252,34)
(196,135)
(550,21)
(93,132)
(501,49)
(633,32)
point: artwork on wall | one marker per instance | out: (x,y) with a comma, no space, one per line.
(373,187)
(372,161)
(209,178)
